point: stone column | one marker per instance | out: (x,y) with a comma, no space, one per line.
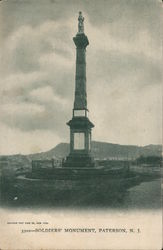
(81,42)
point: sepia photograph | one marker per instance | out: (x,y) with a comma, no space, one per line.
(81,122)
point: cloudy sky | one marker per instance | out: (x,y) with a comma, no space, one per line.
(37,70)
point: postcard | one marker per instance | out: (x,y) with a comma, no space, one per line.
(81,124)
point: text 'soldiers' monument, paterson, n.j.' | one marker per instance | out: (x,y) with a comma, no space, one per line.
(80,125)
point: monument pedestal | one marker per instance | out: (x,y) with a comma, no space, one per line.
(79,161)
(80,143)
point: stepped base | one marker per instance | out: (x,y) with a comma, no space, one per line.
(79,161)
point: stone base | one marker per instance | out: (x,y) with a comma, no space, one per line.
(79,161)
(77,173)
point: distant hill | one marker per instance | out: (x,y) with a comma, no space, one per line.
(100,150)
(108,150)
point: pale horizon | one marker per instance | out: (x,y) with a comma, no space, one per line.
(48,149)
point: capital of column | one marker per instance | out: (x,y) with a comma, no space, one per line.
(81,41)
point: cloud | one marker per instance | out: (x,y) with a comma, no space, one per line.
(14,141)
(34,98)
(123,70)
(130,112)
(124,16)
(39,108)
(24,47)
(114,68)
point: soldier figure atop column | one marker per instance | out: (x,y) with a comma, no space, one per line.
(80,23)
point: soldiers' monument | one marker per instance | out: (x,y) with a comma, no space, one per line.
(80,125)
